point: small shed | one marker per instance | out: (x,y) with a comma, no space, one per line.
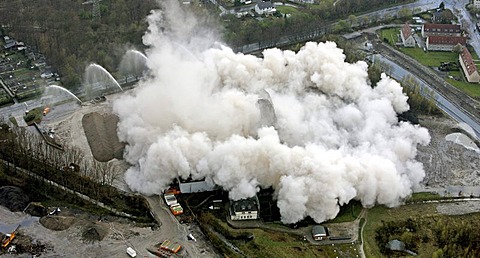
(319,232)
(396,245)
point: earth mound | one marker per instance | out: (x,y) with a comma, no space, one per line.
(57,223)
(93,232)
(101,133)
(36,209)
(13,198)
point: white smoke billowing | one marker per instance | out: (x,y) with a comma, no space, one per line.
(334,138)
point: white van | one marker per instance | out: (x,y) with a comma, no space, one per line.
(131,252)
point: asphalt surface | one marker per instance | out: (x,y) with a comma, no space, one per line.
(398,72)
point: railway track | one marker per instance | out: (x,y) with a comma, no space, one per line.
(458,98)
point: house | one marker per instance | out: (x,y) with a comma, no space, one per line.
(265,7)
(195,186)
(407,36)
(468,66)
(444,43)
(319,232)
(245,209)
(476,3)
(434,29)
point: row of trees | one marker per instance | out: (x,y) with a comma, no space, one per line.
(450,236)
(68,167)
(240,32)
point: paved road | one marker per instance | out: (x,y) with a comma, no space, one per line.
(171,229)
(398,72)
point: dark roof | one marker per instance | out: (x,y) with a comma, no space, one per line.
(468,61)
(442,28)
(406,30)
(446,40)
(250,204)
(319,230)
(264,5)
(10,44)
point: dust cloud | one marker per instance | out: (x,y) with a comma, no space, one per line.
(331,138)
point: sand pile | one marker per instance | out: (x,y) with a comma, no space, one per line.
(101,133)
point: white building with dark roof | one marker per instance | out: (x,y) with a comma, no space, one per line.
(265,7)
(468,66)
(245,209)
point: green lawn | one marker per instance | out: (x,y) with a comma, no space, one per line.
(378,214)
(390,34)
(287,9)
(432,58)
(348,212)
(472,89)
(422,196)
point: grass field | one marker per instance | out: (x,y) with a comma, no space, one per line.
(430,58)
(348,212)
(425,214)
(472,89)
(378,214)
(390,34)
(287,9)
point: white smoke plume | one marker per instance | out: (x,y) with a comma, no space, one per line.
(334,139)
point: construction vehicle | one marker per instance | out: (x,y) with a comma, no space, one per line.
(170,246)
(7,239)
(172,190)
(46,110)
(176,209)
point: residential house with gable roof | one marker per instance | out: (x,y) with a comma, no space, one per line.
(265,7)
(407,36)
(434,29)
(468,66)
(444,43)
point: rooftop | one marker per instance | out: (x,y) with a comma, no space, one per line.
(468,61)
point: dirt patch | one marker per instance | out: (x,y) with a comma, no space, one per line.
(25,244)
(101,133)
(57,223)
(13,198)
(93,232)
(445,162)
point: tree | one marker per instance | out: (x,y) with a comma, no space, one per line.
(405,13)
(441,6)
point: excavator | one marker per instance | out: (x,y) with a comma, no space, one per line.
(7,239)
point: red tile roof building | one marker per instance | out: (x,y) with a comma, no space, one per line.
(468,66)
(444,43)
(407,37)
(434,29)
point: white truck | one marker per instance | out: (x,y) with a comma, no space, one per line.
(170,199)
(131,252)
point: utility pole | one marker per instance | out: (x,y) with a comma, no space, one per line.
(95,8)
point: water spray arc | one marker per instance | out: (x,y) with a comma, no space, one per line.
(65,90)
